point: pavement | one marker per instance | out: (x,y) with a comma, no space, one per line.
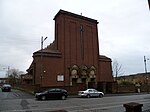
(114,94)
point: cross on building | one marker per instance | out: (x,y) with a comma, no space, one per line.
(82,42)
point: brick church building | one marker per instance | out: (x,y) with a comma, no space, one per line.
(73,59)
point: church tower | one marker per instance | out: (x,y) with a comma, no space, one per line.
(77,38)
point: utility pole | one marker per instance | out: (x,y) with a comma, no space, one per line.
(146,77)
(42,41)
(8,70)
(145,63)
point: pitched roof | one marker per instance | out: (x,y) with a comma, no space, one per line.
(50,50)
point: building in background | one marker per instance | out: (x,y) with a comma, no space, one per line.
(3,81)
(136,79)
(139,82)
(73,59)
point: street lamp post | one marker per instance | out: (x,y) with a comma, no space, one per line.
(42,41)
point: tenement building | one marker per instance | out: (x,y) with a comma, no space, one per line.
(73,59)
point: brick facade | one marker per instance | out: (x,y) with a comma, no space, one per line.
(73,58)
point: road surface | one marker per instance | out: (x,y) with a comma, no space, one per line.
(18,101)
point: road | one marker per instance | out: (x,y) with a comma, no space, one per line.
(18,101)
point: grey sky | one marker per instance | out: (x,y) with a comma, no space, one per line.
(124,29)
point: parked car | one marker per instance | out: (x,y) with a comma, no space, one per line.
(55,93)
(90,93)
(6,88)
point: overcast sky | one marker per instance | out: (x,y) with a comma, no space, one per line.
(123,29)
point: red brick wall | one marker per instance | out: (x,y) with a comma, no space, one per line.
(105,70)
(37,70)
(52,66)
(69,41)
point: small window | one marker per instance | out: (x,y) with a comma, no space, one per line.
(52,90)
(58,90)
(60,77)
(90,90)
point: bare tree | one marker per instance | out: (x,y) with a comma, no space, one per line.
(117,69)
(13,76)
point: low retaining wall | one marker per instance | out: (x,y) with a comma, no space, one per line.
(132,88)
(75,89)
